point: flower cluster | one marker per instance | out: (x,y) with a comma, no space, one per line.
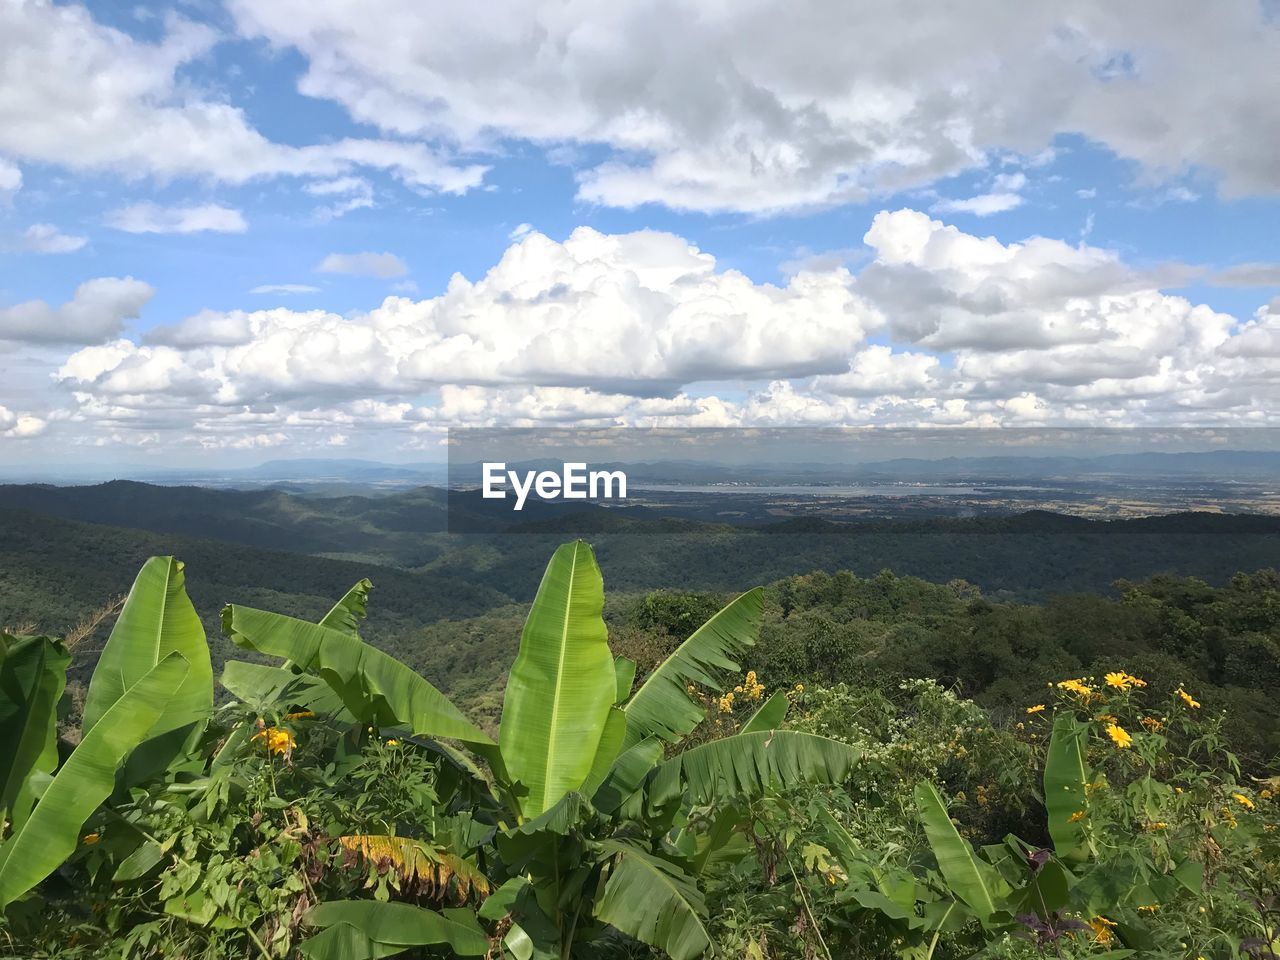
(1123,681)
(276,740)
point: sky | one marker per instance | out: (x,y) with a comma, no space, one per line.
(238,230)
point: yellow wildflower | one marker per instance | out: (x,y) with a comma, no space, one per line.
(1077,816)
(799,688)
(1123,681)
(1078,687)
(1152,724)
(392,743)
(1149,908)
(1101,927)
(300,715)
(1119,735)
(276,740)
(1266,794)
(1158,825)
(89,839)
(1038,708)
(1244,801)
(1188,699)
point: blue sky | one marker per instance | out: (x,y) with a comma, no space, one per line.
(1018,218)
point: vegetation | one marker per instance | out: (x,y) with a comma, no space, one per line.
(331,803)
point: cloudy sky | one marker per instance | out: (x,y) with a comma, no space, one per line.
(239,229)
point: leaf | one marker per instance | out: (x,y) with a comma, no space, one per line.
(662,706)
(654,901)
(157,619)
(770,715)
(1066,774)
(51,832)
(350,610)
(342,941)
(561,685)
(624,670)
(400,925)
(972,881)
(33,673)
(746,764)
(373,685)
(423,869)
(607,752)
(626,775)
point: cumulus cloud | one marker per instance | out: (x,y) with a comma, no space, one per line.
(152,218)
(347,193)
(940,327)
(46,238)
(642,312)
(122,104)
(98,310)
(759,107)
(19,425)
(381,265)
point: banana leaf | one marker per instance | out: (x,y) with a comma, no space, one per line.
(770,715)
(747,764)
(33,673)
(655,901)
(662,706)
(373,685)
(974,882)
(52,830)
(157,619)
(562,684)
(1066,774)
(398,925)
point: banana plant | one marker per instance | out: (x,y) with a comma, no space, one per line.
(153,678)
(585,787)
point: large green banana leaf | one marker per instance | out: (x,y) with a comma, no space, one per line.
(627,774)
(157,619)
(974,882)
(655,901)
(747,764)
(374,685)
(770,715)
(350,610)
(52,830)
(662,706)
(561,685)
(389,925)
(1066,774)
(33,673)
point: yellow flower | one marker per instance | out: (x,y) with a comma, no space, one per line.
(1077,816)
(392,743)
(300,715)
(1266,794)
(799,688)
(1123,681)
(1244,801)
(89,839)
(1152,724)
(1158,825)
(1119,735)
(1078,687)
(276,740)
(1188,700)
(1101,927)
(1149,908)
(1038,708)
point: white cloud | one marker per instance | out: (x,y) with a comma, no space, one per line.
(381,265)
(46,238)
(349,193)
(121,104)
(983,205)
(520,230)
(10,180)
(152,218)
(285,289)
(759,107)
(646,329)
(641,313)
(19,425)
(97,311)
